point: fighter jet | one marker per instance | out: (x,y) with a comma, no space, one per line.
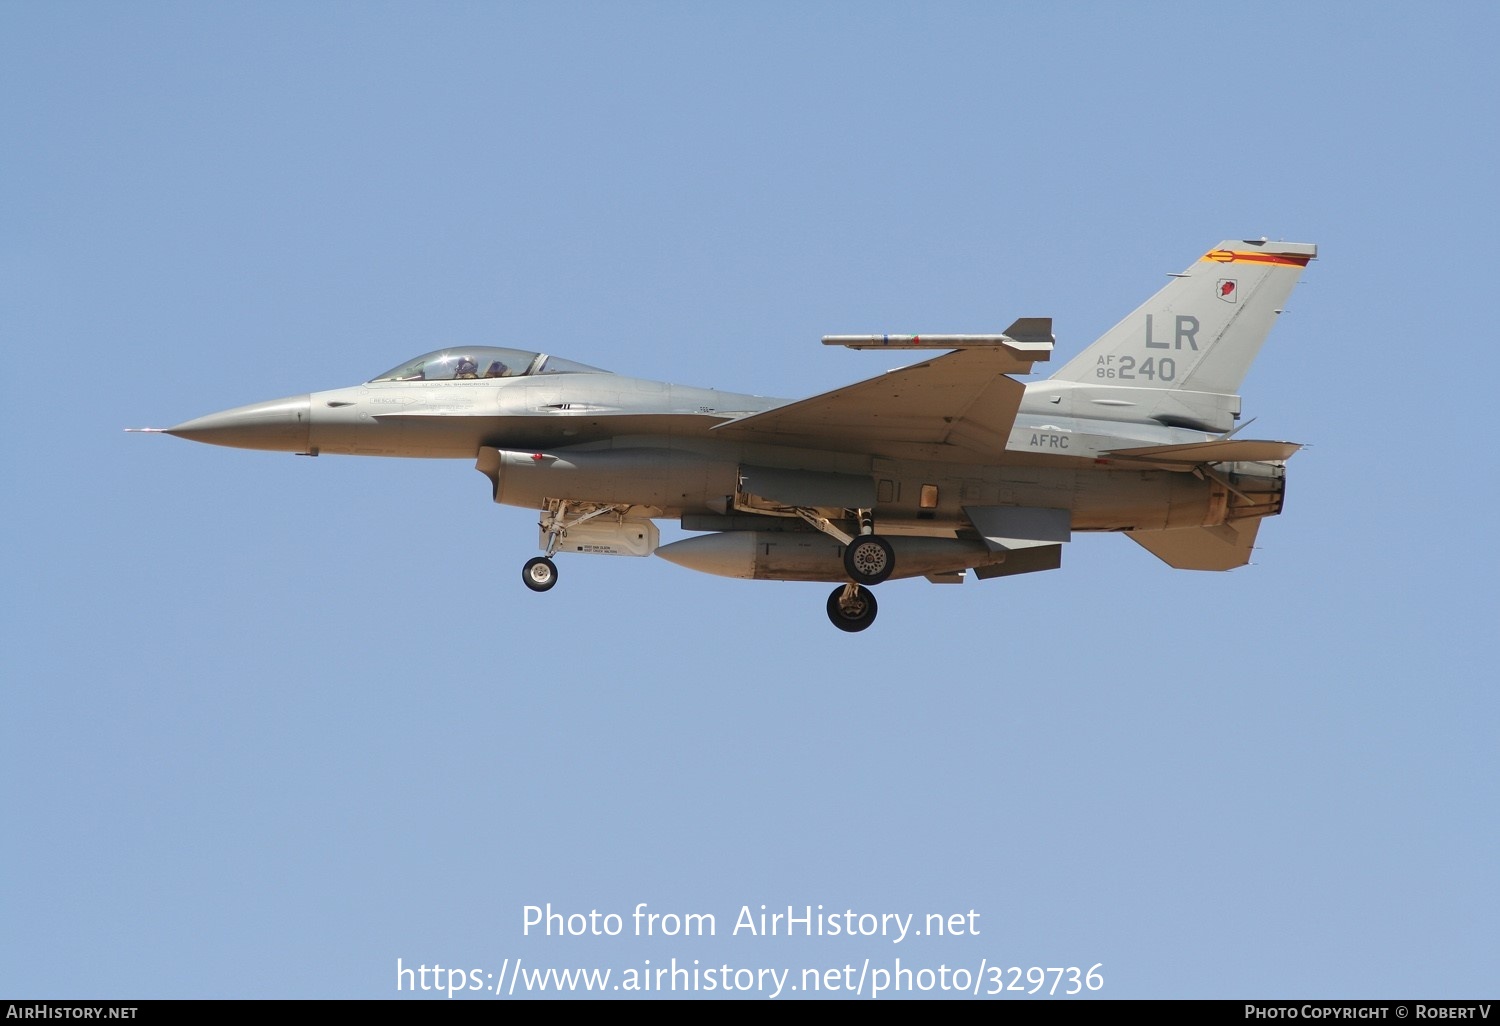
(933,470)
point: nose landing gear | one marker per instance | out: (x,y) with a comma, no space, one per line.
(587,529)
(539,573)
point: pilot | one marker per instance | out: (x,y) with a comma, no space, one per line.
(467,368)
(496,369)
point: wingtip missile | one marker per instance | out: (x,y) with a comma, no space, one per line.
(1029,336)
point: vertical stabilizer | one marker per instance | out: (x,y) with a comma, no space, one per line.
(1203,330)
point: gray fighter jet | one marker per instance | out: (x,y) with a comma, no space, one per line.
(932,470)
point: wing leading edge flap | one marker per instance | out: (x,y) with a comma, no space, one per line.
(963,399)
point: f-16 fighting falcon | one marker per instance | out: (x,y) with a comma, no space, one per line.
(933,470)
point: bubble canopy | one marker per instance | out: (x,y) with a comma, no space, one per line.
(459,363)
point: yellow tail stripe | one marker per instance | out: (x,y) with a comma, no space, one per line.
(1231,256)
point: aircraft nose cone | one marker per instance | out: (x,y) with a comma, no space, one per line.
(280,425)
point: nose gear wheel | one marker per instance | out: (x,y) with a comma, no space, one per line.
(539,573)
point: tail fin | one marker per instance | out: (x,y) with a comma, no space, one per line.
(1203,330)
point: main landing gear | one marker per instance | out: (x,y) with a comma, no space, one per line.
(851,607)
(869,559)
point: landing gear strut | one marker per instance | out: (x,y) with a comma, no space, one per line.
(868,558)
(540,573)
(851,608)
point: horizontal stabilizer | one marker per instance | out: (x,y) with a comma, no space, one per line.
(1224,450)
(1009,528)
(1222,547)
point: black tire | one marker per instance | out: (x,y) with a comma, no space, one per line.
(869,559)
(539,573)
(855,615)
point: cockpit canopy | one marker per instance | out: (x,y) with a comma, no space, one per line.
(482,362)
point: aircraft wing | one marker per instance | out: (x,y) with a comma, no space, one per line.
(964,399)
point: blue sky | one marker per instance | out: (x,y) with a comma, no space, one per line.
(272,723)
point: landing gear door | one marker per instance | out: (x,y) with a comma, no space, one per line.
(607,536)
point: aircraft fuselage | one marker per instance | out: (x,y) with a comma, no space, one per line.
(650,446)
